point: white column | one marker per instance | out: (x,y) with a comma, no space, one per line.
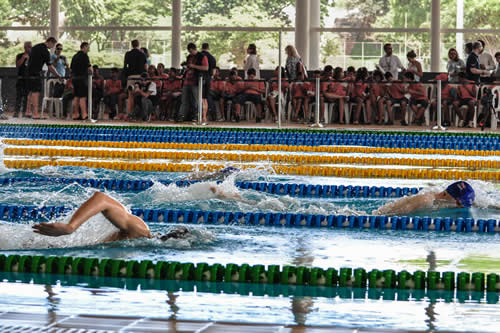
(54,18)
(460,25)
(176,32)
(302,29)
(435,35)
(314,36)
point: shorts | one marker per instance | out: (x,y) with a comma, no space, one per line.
(465,101)
(34,84)
(243,98)
(80,88)
(399,100)
(133,79)
(422,102)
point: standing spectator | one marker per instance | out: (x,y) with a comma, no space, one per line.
(473,68)
(59,61)
(496,74)
(147,54)
(135,63)
(389,62)
(273,94)
(252,61)
(418,99)
(197,66)
(212,63)
(455,65)
(112,90)
(145,94)
(170,96)
(485,59)
(68,95)
(97,89)
(39,56)
(251,91)
(293,63)
(21,84)
(80,68)
(467,51)
(414,66)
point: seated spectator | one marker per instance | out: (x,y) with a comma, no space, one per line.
(377,93)
(337,92)
(360,94)
(418,99)
(395,94)
(97,90)
(466,97)
(300,97)
(351,74)
(251,91)
(112,90)
(145,97)
(155,77)
(170,96)
(216,93)
(455,65)
(446,98)
(231,88)
(273,94)
(414,66)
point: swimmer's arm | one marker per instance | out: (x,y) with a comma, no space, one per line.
(406,205)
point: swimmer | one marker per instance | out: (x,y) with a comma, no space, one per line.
(218,175)
(458,194)
(130,226)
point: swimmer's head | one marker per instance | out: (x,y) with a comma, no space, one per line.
(229,170)
(462,192)
(179,232)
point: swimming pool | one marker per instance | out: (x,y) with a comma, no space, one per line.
(256,244)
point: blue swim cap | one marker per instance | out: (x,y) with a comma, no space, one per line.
(229,170)
(462,192)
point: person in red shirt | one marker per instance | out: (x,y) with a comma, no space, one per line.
(360,95)
(395,94)
(250,91)
(217,86)
(418,99)
(273,95)
(377,92)
(299,96)
(466,96)
(233,84)
(170,95)
(446,98)
(112,89)
(337,92)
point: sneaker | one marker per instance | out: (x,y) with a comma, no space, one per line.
(460,123)
(221,120)
(204,124)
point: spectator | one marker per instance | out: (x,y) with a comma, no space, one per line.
(80,68)
(466,95)
(212,63)
(170,96)
(418,99)
(38,57)
(68,95)
(21,83)
(377,92)
(473,70)
(446,98)
(97,89)
(395,94)
(414,66)
(135,63)
(59,61)
(216,94)
(351,74)
(293,63)
(252,61)
(300,97)
(197,66)
(251,91)
(145,98)
(147,54)
(485,60)
(455,65)
(153,74)
(233,85)
(360,96)
(496,74)
(112,90)
(467,50)
(389,62)
(272,98)
(336,92)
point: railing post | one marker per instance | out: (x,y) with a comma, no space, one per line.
(439,124)
(200,100)
(317,108)
(89,99)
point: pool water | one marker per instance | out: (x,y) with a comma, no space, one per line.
(223,244)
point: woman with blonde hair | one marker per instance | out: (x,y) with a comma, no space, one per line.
(293,63)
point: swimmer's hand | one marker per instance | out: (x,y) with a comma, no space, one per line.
(53,229)
(223,195)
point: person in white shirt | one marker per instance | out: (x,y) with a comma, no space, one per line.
(486,61)
(252,61)
(146,95)
(389,62)
(496,74)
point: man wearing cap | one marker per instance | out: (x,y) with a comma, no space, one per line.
(459,194)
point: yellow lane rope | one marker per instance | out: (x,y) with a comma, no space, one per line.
(242,147)
(250,157)
(327,171)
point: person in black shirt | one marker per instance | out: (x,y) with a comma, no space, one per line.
(212,63)
(473,68)
(135,63)
(21,87)
(38,57)
(80,69)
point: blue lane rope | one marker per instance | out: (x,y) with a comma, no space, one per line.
(291,189)
(404,223)
(265,138)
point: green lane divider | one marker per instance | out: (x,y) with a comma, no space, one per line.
(232,129)
(257,274)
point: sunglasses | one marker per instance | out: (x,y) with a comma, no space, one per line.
(59,49)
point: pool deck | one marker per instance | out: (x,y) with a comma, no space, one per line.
(53,322)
